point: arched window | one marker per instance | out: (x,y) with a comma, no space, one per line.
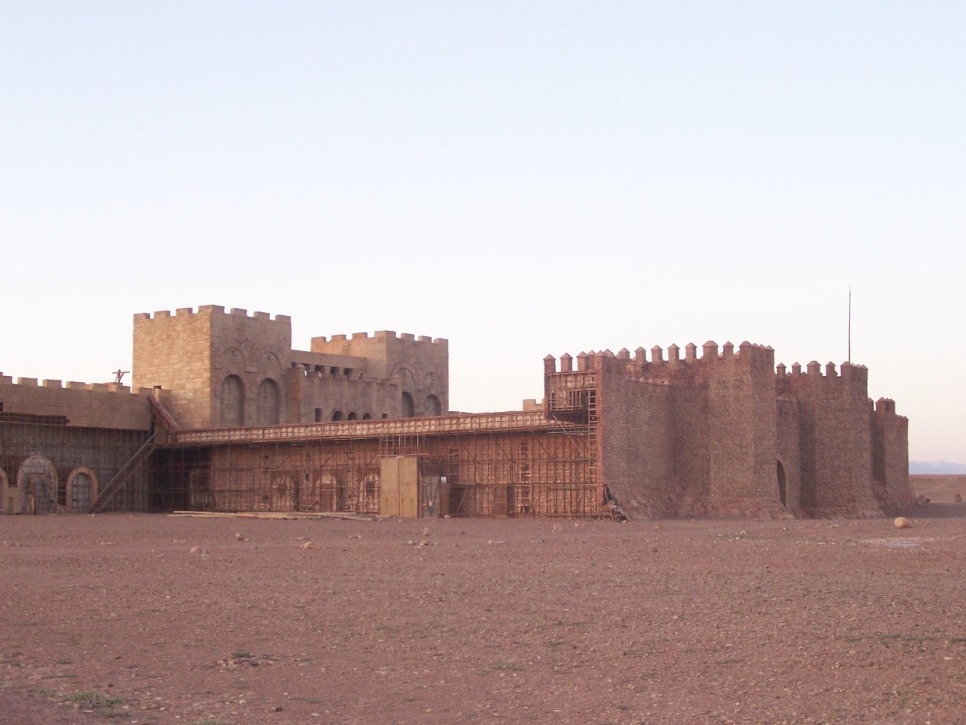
(352,416)
(37,480)
(337,415)
(232,402)
(408,406)
(433,406)
(268,399)
(367,416)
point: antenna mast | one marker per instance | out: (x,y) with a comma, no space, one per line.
(850,325)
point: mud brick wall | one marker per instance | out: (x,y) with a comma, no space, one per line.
(742,420)
(890,457)
(836,440)
(635,440)
(789,452)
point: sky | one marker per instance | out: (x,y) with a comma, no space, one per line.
(520,178)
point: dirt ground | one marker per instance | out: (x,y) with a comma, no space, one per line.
(158,619)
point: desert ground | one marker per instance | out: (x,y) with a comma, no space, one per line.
(163,619)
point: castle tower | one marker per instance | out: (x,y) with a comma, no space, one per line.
(219,369)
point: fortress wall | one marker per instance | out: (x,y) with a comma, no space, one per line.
(173,351)
(836,440)
(789,452)
(421,364)
(742,441)
(890,457)
(191,353)
(692,459)
(635,437)
(107,405)
(256,349)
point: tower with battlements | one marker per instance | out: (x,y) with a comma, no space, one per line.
(229,369)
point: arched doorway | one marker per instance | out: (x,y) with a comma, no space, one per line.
(37,480)
(81,490)
(782,490)
(433,406)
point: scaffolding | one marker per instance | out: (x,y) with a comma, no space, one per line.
(49,466)
(494,464)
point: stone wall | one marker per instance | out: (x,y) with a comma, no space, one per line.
(232,369)
(97,405)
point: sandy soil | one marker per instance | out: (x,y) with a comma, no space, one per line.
(157,619)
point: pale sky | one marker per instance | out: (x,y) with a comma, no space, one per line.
(522,178)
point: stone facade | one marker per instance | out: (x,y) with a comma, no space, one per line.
(219,369)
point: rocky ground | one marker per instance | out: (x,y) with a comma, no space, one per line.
(157,619)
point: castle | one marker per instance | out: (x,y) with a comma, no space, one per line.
(225,415)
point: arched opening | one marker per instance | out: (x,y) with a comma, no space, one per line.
(433,406)
(232,402)
(781,484)
(268,399)
(37,480)
(352,416)
(81,490)
(337,415)
(408,406)
(367,416)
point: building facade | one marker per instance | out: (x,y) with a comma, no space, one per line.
(226,415)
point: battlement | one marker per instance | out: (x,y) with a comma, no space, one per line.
(70,385)
(381,335)
(710,354)
(80,405)
(210,311)
(814,372)
(885,406)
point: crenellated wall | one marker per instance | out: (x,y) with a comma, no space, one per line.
(723,432)
(890,457)
(192,355)
(59,443)
(231,369)
(82,405)
(418,365)
(835,436)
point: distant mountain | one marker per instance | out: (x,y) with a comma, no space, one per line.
(936,467)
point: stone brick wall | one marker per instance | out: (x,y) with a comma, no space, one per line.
(174,352)
(107,405)
(230,369)
(418,365)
